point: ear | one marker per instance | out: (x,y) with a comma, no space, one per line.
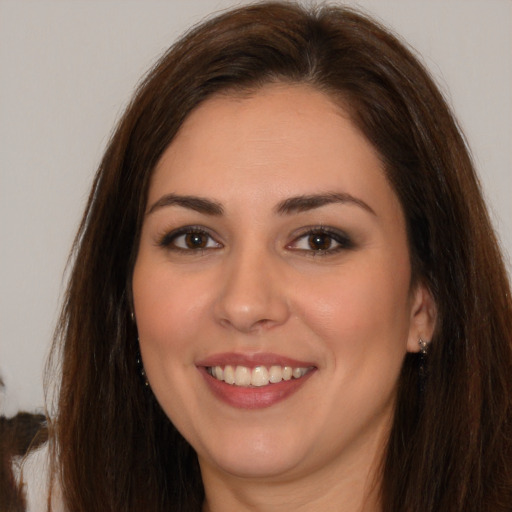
(423,317)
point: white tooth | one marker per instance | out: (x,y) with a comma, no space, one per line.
(275,374)
(218,372)
(242,376)
(298,372)
(259,376)
(287,372)
(229,375)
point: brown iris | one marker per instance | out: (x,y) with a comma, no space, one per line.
(196,240)
(320,242)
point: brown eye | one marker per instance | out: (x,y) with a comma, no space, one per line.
(320,242)
(190,239)
(196,240)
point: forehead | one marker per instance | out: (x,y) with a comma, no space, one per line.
(289,138)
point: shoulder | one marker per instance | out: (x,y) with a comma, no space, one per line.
(32,472)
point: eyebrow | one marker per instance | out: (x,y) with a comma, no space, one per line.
(310,202)
(199,204)
(288,206)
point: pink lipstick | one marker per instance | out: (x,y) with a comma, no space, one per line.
(253,381)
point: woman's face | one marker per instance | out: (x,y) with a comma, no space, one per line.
(272,288)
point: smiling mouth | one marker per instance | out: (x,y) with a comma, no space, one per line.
(259,376)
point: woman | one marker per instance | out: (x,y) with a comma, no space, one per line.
(286,289)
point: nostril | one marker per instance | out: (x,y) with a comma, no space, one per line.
(248,325)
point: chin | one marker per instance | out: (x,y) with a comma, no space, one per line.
(272,468)
(254,456)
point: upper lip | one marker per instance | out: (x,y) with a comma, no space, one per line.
(252,360)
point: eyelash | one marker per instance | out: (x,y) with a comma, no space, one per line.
(168,240)
(341,239)
(330,235)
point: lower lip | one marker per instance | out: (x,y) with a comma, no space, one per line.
(253,397)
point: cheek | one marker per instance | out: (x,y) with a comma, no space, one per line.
(169,311)
(365,307)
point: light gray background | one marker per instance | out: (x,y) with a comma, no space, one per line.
(67,68)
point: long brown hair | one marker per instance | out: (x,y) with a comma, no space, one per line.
(450,448)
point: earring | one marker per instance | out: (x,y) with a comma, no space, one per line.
(142,372)
(423,347)
(423,362)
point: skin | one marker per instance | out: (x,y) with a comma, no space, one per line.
(261,285)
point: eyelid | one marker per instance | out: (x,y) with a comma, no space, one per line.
(340,237)
(166,239)
(342,241)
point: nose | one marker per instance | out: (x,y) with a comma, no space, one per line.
(253,292)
